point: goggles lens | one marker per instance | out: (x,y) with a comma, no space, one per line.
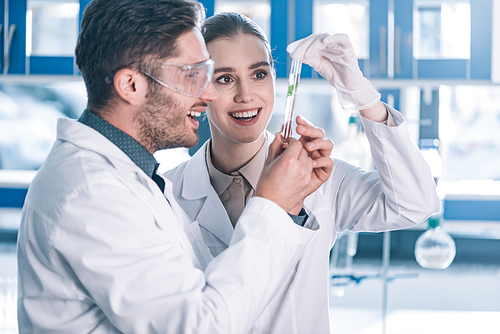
(191,80)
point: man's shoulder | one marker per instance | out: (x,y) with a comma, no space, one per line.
(69,172)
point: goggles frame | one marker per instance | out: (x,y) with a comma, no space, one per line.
(190,80)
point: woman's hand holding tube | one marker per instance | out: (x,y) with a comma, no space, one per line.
(333,57)
(292,174)
(319,149)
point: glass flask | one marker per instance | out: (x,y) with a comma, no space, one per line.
(341,259)
(435,249)
(355,148)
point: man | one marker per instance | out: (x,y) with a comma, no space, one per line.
(103,247)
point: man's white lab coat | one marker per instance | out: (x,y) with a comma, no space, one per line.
(102,250)
(400,195)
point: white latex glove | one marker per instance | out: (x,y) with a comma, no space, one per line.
(333,57)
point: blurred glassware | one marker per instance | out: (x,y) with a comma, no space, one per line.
(435,249)
(341,258)
(353,148)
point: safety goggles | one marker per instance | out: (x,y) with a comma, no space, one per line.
(191,80)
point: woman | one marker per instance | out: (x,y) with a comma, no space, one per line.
(215,184)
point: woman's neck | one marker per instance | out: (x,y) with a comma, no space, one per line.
(228,156)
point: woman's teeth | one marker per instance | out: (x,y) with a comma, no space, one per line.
(245,114)
(194,113)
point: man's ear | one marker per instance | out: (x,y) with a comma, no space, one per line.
(130,85)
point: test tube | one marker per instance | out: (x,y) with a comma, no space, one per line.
(293,82)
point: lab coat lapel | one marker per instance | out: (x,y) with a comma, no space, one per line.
(212,215)
(214,219)
(164,204)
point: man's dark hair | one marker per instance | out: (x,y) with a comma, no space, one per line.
(230,25)
(118,34)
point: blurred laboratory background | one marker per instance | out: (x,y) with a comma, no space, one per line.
(437,61)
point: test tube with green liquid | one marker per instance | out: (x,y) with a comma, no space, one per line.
(293,82)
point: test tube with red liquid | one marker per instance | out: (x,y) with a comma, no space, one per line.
(293,82)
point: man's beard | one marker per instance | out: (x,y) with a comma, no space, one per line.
(161,125)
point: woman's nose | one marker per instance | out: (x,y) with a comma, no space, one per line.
(244,93)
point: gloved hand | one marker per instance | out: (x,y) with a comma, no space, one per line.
(333,57)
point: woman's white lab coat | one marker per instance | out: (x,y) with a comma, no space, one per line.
(400,195)
(102,250)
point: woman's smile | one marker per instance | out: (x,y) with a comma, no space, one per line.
(245,115)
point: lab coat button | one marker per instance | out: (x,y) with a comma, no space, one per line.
(237,180)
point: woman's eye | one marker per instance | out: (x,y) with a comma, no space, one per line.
(261,75)
(223,79)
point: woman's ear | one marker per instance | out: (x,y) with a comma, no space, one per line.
(131,86)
